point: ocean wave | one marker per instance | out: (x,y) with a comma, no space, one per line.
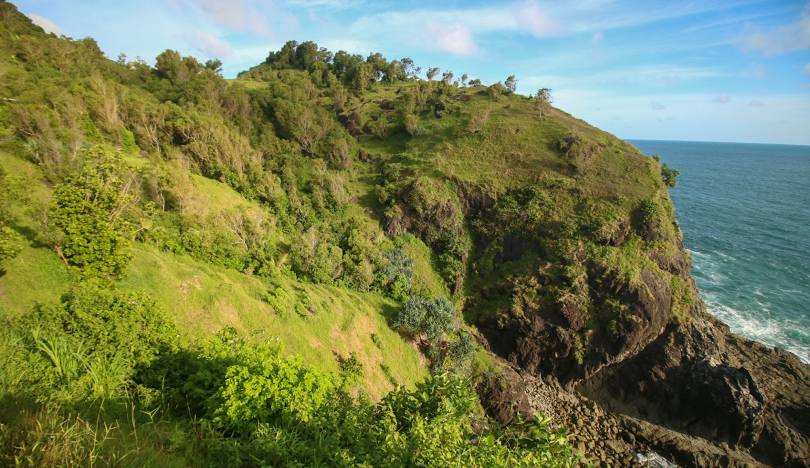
(765,330)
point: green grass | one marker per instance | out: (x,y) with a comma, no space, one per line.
(425,276)
(36,275)
(203,299)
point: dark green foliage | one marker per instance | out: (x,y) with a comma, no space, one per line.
(396,275)
(90,345)
(669,175)
(89,211)
(648,218)
(488,186)
(432,317)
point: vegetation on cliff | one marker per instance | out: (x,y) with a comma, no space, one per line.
(286,268)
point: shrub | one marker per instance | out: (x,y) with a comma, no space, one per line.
(108,323)
(411,123)
(89,210)
(648,220)
(351,369)
(669,175)
(397,273)
(264,387)
(478,121)
(433,317)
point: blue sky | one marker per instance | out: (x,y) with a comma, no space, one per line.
(682,70)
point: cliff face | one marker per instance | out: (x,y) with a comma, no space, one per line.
(672,380)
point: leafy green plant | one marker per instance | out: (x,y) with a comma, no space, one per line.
(433,317)
(89,210)
(669,175)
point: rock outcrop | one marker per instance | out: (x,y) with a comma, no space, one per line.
(689,390)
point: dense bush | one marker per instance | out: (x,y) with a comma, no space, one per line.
(89,211)
(269,409)
(432,317)
(90,344)
(669,175)
(396,275)
(10,240)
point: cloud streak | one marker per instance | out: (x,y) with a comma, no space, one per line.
(46,24)
(453,38)
(783,39)
(210,45)
(234,15)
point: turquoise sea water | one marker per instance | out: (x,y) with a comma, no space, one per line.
(745,213)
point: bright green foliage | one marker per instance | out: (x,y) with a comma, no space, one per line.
(263,387)
(10,240)
(107,323)
(89,211)
(312,167)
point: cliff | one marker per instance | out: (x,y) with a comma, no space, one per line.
(170,240)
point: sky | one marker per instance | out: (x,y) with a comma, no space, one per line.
(735,70)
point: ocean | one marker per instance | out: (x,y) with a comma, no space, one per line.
(744,210)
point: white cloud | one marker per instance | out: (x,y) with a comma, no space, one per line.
(655,105)
(535,20)
(755,103)
(696,116)
(656,74)
(46,24)
(234,15)
(210,45)
(807,68)
(786,38)
(336,4)
(453,38)
(597,37)
(722,99)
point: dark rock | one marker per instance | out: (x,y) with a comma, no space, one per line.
(504,396)
(438,109)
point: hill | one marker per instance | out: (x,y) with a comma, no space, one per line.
(329,260)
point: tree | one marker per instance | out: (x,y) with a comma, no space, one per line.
(474,82)
(169,65)
(464,78)
(432,72)
(447,77)
(363,76)
(339,97)
(544,95)
(543,99)
(408,66)
(88,209)
(511,83)
(395,71)
(215,65)
(284,58)
(496,89)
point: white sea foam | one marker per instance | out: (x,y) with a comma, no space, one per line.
(762,329)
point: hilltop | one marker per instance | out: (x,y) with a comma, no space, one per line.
(330,260)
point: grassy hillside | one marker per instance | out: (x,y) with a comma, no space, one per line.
(285,268)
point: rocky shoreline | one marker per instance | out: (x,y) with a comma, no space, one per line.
(698,395)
